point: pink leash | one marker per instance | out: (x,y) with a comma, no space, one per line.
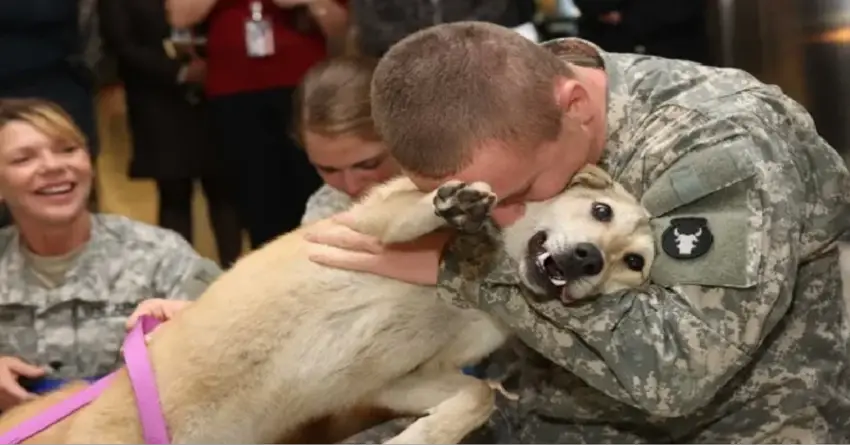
(154,428)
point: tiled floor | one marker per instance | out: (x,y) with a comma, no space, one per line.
(133,198)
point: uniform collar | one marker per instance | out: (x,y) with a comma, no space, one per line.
(13,262)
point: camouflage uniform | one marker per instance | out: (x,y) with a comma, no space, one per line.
(78,326)
(324,203)
(747,343)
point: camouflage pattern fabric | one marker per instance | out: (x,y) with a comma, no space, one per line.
(324,203)
(747,343)
(80,324)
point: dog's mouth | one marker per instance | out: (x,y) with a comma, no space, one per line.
(546,269)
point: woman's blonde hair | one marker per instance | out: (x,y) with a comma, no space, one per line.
(46,116)
(333,99)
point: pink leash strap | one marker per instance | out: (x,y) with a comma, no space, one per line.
(143,380)
(154,427)
(56,413)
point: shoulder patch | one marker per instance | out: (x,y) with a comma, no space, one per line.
(687,238)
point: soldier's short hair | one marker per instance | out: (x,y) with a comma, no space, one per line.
(442,92)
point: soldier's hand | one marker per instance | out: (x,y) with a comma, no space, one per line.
(334,243)
(11,392)
(162,309)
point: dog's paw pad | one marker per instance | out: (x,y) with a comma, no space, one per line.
(464,206)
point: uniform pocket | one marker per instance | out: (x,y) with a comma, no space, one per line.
(18,336)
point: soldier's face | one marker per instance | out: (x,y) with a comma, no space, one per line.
(519,175)
(42,179)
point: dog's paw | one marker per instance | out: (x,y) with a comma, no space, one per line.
(464,206)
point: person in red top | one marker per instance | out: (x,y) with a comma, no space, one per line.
(257,53)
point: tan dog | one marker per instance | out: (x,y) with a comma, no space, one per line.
(279,341)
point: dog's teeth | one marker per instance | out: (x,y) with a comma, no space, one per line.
(543,257)
(557,282)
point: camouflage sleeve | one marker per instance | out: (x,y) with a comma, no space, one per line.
(669,347)
(182,273)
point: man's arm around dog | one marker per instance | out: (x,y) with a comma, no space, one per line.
(669,348)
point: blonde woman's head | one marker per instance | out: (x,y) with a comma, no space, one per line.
(334,124)
(45,169)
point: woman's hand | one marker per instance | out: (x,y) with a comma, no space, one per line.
(162,309)
(334,243)
(11,392)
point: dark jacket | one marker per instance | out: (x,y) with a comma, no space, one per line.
(382,23)
(667,28)
(170,135)
(35,35)
(40,50)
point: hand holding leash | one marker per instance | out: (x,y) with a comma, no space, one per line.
(161,309)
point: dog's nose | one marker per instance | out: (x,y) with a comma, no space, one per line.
(584,259)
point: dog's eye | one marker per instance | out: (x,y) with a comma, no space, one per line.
(601,212)
(635,262)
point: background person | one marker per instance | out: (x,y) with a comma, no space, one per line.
(250,94)
(69,278)
(666,28)
(379,24)
(169,122)
(40,45)
(743,336)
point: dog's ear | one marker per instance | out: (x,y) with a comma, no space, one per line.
(592,177)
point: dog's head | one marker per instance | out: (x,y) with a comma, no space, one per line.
(593,238)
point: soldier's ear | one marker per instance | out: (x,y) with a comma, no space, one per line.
(573,100)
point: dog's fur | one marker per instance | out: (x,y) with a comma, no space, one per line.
(279,341)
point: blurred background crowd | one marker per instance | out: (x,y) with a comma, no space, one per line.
(234,121)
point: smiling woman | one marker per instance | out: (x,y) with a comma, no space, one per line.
(69,278)
(45,170)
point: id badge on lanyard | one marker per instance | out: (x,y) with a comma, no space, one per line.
(259,35)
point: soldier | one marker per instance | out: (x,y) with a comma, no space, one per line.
(741,335)
(69,279)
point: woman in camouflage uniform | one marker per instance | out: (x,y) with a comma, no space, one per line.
(69,279)
(334,124)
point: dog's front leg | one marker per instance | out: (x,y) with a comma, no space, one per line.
(414,222)
(455,405)
(461,205)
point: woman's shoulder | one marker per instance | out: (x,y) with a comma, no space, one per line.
(117,229)
(325,202)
